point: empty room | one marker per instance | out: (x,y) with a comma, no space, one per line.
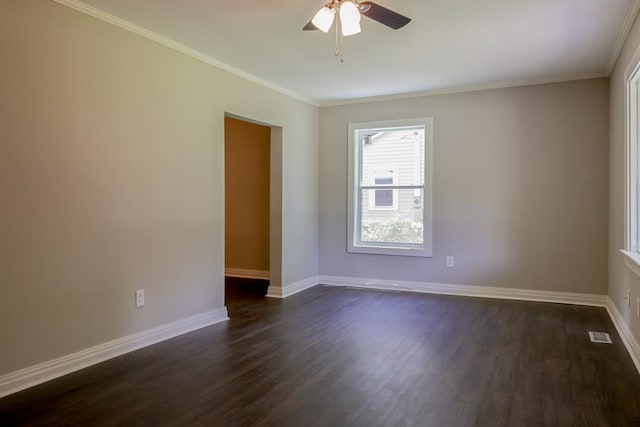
(297,213)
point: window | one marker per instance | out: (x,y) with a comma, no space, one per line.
(389,192)
(632,169)
(632,166)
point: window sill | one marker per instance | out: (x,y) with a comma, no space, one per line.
(386,250)
(632,260)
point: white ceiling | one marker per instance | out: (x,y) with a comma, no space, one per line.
(448,45)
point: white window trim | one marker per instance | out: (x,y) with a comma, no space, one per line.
(632,261)
(632,83)
(427,202)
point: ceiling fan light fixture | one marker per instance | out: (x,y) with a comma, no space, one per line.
(323,19)
(351,11)
(349,18)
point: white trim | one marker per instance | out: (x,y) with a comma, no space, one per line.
(625,333)
(38,374)
(469,291)
(172,44)
(623,35)
(246,273)
(632,261)
(293,288)
(462,89)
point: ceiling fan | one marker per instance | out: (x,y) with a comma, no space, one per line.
(350,12)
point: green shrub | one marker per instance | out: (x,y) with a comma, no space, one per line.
(397,229)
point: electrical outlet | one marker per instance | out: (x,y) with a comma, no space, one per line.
(139,298)
(628,298)
(449,261)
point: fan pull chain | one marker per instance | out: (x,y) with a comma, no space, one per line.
(339,42)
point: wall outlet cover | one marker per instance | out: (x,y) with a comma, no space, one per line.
(139,298)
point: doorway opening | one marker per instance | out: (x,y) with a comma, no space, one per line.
(253,200)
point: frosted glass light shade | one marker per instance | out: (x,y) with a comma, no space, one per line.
(349,18)
(323,19)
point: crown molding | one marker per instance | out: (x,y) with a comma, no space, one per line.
(464,89)
(172,44)
(623,35)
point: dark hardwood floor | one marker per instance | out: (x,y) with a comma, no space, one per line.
(341,357)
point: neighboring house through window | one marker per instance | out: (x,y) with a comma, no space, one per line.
(390,187)
(383,198)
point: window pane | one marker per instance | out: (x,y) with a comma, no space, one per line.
(396,153)
(384,181)
(384,198)
(400,225)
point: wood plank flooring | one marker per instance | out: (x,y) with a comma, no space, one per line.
(340,357)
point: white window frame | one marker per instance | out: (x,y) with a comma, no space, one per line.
(372,193)
(632,160)
(353,191)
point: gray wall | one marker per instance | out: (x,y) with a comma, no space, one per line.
(520,188)
(621,279)
(112,179)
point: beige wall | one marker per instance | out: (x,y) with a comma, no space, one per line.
(621,279)
(247,157)
(520,188)
(112,179)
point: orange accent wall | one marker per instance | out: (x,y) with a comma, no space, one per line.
(247,148)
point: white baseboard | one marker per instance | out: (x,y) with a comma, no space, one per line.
(625,333)
(246,274)
(293,288)
(34,375)
(504,293)
(441,288)
(38,374)
(469,291)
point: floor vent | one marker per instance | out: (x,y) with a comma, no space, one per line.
(600,337)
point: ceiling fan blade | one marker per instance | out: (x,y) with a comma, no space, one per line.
(383,15)
(309,27)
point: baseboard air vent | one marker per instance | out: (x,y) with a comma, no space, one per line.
(600,337)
